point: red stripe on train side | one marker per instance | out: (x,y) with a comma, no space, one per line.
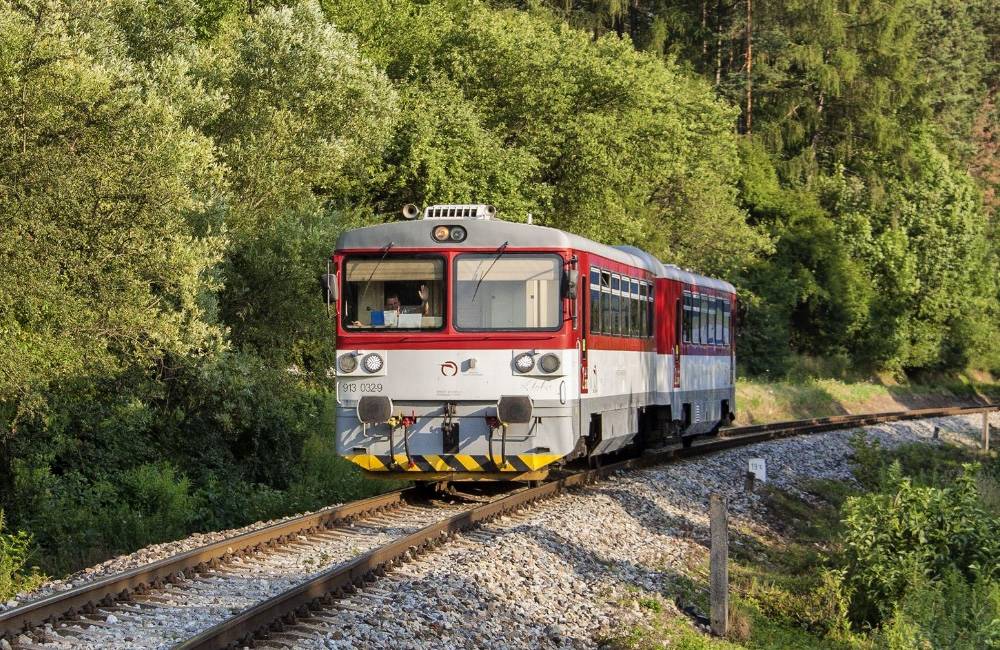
(623,343)
(503,340)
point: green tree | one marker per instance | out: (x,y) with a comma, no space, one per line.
(302,130)
(914,531)
(101,267)
(611,143)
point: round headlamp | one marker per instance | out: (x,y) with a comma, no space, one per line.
(441,233)
(524,362)
(549,363)
(347,363)
(458,234)
(372,362)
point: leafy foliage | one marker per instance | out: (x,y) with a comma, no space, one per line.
(858,161)
(911,562)
(949,612)
(101,267)
(174,174)
(915,531)
(587,135)
(14,550)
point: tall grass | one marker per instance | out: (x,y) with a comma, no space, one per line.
(15,575)
(816,390)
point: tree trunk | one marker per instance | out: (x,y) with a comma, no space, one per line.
(633,23)
(704,30)
(748,122)
(819,129)
(718,44)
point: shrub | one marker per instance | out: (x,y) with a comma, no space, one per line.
(946,613)
(228,502)
(14,575)
(915,531)
(938,466)
(154,504)
(327,478)
(78,521)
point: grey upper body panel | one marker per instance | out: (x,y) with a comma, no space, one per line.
(491,233)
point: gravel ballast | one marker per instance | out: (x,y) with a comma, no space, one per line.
(568,572)
(142,557)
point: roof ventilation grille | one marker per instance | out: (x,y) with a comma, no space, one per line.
(467,211)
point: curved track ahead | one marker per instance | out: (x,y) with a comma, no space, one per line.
(317,592)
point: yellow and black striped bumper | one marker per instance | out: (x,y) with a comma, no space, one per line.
(464,466)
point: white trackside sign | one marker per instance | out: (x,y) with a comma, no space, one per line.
(758,467)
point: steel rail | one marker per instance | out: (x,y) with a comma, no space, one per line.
(85,598)
(861,419)
(319,591)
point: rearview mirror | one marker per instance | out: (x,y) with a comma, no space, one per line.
(329,283)
(572,277)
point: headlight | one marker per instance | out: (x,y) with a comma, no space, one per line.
(458,233)
(372,362)
(524,362)
(549,363)
(441,233)
(347,363)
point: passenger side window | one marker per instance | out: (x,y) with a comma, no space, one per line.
(625,308)
(650,306)
(605,302)
(616,305)
(622,306)
(635,326)
(711,320)
(696,324)
(706,319)
(720,339)
(595,300)
(643,297)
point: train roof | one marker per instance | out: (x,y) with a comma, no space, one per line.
(486,233)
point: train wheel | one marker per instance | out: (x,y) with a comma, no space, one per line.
(686,441)
(433,487)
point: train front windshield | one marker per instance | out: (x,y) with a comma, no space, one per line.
(395,292)
(507,292)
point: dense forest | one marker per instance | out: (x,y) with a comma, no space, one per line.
(173,176)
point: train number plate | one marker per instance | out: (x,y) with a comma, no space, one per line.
(359,387)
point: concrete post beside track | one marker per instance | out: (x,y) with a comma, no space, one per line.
(719,565)
(986,431)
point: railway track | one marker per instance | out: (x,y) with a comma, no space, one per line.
(379,533)
(246,568)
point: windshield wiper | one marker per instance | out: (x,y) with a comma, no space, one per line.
(500,251)
(374,270)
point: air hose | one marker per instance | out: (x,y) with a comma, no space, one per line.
(503,445)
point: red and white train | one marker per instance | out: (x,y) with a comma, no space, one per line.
(474,348)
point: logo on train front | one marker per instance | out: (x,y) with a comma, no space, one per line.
(449,368)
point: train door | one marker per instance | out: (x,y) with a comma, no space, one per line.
(678,338)
(586,317)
